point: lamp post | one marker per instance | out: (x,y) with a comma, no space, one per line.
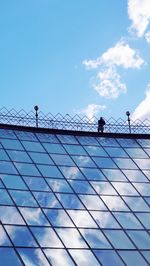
(128,115)
(36,108)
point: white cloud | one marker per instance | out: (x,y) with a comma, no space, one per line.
(108,81)
(119,55)
(139,14)
(108,84)
(92,110)
(142,111)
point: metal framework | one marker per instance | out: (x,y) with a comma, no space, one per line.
(66,122)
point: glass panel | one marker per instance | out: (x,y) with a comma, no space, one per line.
(96,151)
(47,137)
(116,152)
(35,183)
(93,174)
(20,236)
(58,218)
(103,188)
(3,155)
(108,142)
(135,175)
(22,135)
(136,153)
(9,257)
(84,257)
(70,201)
(5,198)
(59,185)
(140,238)
(82,187)
(46,199)
(71,172)
(82,218)
(105,219)
(69,234)
(58,257)
(87,140)
(11,144)
(83,161)
(143,163)
(128,220)
(115,203)
(125,163)
(27,169)
(7,133)
(10,215)
(49,171)
(107,256)
(54,148)
(114,175)
(67,139)
(4,240)
(136,203)
(33,256)
(128,142)
(132,258)
(13,181)
(144,142)
(75,149)
(32,146)
(46,237)
(19,156)
(7,168)
(23,198)
(144,218)
(33,216)
(92,202)
(104,162)
(95,238)
(42,158)
(62,160)
(125,188)
(123,242)
(144,188)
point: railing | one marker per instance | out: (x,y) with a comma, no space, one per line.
(58,121)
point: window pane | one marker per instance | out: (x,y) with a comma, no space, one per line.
(116,152)
(114,203)
(96,151)
(75,149)
(69,234)
(59,185)
(10,215)
(93,174)
(71,172)
(42,158)
(70,201)
(84,257)
(83,161)
(49,171)
(105,219)
(32,256)
(82,187)
(132,258)
(104,162)
(9,257)
(7,168)
(58,257)
(58,218)
(62,160)
(105,256)
(19,156)
(46,237)
(13,181)
(67,139)
(21,236)
(33,216)
(32,146)
(136,203)
(23,198)
(46,199)
(27,169)
(103,188)
(92,202)
(5,198)
(82,218)
(95,238)
(125,163)
(135,175)
(123,242)
(140,238)
(54,148)
(128,220)
(35,183)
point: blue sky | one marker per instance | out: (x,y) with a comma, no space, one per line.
(76,56)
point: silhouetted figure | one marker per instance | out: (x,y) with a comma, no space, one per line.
(101,124)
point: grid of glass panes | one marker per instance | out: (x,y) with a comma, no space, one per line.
(73,200)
